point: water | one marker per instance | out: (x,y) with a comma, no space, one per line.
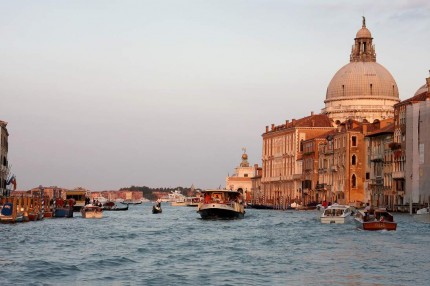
(176,247)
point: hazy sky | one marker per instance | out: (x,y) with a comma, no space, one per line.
(108,94)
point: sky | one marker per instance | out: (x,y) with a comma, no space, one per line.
(166,93)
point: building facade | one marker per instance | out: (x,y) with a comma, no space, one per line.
(241,179)
(411,157)
(281,180)
(4,164)
(380,191)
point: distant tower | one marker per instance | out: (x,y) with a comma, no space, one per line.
(244,159)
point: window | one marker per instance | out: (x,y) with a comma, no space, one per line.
(245,175)
(367,176)
(353,160)
(354,181)
(354,141)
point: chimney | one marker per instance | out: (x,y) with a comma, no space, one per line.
(293,122)
(273,126)
(312,113)
(267,128)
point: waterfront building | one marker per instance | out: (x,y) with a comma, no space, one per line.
(281,180)
(241,179)
(379,191)
(314,190)
(257,197)
(362,89)
(411,157)
(4,165)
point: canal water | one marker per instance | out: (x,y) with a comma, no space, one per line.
(176,247)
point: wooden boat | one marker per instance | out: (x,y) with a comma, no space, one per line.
(62,209)
(221,204)
(336,214)
(380,219)
(131,202)
(90,211)
(111,206)
(9,214)
(156,209)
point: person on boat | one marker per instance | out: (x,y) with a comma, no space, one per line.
(324,204)
(207,198)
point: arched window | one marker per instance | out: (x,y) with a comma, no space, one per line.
(353,160)
(353,181)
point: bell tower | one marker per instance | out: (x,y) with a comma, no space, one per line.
(363,49)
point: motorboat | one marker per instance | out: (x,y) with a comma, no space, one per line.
(192,201)
(379,219)
(63,208)
(423,211)
(336,214)
(221,204)
(91,211)
(9,214)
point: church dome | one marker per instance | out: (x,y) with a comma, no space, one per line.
(421,90)
(364,33)
(362,89)
(361,80)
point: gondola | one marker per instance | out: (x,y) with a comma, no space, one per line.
(156,209)
(111,206)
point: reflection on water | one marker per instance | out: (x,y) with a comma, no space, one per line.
(177,247)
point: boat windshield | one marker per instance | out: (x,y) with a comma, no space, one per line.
(333,212)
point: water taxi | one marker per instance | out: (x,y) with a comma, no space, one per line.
(221,204)
(336,214)
(90,211)
(380,219)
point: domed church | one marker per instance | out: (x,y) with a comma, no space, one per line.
(362,89)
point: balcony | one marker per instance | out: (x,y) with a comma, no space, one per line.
(398,175)
(377,157)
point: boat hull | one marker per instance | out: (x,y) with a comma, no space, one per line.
(91,212)
(376,225)
(336,220)
(63,212)
(220,211)
(156,210)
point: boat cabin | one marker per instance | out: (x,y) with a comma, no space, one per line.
(222,197)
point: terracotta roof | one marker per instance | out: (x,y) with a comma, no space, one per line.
(416,98)
(385,130)
(314,120)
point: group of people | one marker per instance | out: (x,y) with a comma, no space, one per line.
(94,202)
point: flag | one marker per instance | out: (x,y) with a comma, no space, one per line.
(12,180)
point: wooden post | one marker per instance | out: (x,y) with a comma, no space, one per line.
(14,209)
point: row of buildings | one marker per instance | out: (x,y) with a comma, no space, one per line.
(366,146)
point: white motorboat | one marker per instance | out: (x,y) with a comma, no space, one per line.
(423,211)
(337,214)
(91,211)
(221,204)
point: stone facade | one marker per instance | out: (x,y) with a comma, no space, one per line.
(411,157)
(241,179)
(281,180)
